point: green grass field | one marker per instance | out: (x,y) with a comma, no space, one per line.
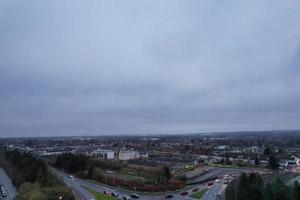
(100,196)
(199,194)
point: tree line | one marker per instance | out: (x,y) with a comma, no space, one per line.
(32,177)
(252,187)
(88,168)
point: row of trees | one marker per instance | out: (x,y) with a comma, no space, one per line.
(252,187)
(147,178)
(31,169)
(32,177)
(71,163)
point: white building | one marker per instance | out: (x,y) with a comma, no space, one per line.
(106,154)
(128,155)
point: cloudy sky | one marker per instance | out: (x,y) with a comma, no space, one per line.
(140,67)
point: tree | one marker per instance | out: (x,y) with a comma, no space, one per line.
(91,172)
(257,162)
(268,151)
(269,192)
(242,188)
(296,191)
(273,163)
(31,191)
(167,172)
(281,191)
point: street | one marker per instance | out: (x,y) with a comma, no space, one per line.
(5,180)
(79,187)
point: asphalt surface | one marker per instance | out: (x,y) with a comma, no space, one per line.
(80,187)
(5,180)
(75,185)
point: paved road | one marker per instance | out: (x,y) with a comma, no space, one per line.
(80,192)
(214,191)
(5,180)
(80,186)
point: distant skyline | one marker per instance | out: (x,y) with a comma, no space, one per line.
(148,67)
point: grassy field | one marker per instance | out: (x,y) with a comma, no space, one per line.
(199,194)
(100,196)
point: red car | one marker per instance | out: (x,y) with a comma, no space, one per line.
(210,183)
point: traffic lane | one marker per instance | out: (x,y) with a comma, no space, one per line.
(6,181)
(213,192)
(80,192)
(99,188)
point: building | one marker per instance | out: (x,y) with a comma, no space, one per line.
(128,155)
(106,154)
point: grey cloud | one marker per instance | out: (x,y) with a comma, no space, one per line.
(99,67)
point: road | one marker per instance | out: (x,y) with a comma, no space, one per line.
(5,180)
(79,186)
(80,192)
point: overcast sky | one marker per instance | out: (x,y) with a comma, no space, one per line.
(142,67)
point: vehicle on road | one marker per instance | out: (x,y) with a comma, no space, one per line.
(71,177)
(210,183)
(105,192)
(195,190)
(183,193)
(217,180)
(226,177)
(114,194)
(169,196)
(3,191)
(126,198)
(135,196)
(226,182)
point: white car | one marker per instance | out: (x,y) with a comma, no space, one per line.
(217,180)
(126,198)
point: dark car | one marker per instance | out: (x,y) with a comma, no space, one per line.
(184,193)
(114,194)
(195,190)
(169,196)
(135,196)
(210,183)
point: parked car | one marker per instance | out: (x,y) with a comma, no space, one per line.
(105,192)
(195,190)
